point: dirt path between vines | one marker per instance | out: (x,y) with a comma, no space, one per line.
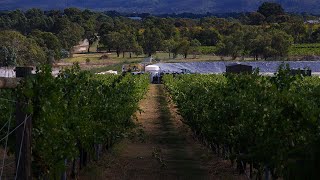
(161,149)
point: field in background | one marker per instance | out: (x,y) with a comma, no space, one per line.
(96,58)
(92,61)
(115,63)
(305,50)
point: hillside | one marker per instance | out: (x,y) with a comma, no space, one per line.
(163,6)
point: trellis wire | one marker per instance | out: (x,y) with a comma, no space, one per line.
(8,164)
(18,163)
(6,145)
(4,126)
(15,128)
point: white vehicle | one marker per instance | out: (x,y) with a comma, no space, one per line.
(155,72)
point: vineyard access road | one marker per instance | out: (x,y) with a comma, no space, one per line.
(161,148)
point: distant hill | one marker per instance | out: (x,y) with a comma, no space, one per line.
(163,6)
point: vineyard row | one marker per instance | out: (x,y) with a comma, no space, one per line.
(270,123)
(74,115)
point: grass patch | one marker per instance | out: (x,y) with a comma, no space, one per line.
(185,165)
(82,58)
(95,58)
(305,49)
(114,67)
(94,46)
(207,49)
(95,170)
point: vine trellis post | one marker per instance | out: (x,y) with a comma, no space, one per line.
(23,132)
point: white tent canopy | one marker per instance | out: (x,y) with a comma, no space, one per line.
(109,72)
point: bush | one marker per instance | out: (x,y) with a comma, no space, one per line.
(105,56)
(64,53)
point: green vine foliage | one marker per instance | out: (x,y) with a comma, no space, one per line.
(7,109)
(74,111)
(265,121)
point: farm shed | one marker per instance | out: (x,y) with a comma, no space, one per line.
(303,72)
(238,68)
(82,47)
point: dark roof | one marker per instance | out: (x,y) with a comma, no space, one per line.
(238,64)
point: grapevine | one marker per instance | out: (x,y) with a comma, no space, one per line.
(272,123)
(74,112)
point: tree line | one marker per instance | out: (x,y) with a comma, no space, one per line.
(35,36)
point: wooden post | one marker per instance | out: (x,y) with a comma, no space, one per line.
(23,134)
(64,174)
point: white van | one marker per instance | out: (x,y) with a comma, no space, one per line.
(155,72)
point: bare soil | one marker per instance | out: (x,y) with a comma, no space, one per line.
(8,171)
(161,148)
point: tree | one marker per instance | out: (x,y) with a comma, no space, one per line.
(131,44)
(107,24)
(18,21)
(71,35)
(169,46)
(115,40)
(104,30)
(281,43)
(25,50)
(48,41)
(275,43)
(138,50)
(232,45)
(195,44)
(185,47)
(152,40)
(89,29)
(104,22)
(74,14)
(256,18)
(8,56)
(297,30)
(268,9)
(54,14)
(260,45)
(208,37)
(106,41)
(5,22)
(315,36)
(92,37)
(220,24)
(37,20)
(4,53)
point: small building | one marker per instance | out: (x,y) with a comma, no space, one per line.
(239,68)
(82,47)
(303,72)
